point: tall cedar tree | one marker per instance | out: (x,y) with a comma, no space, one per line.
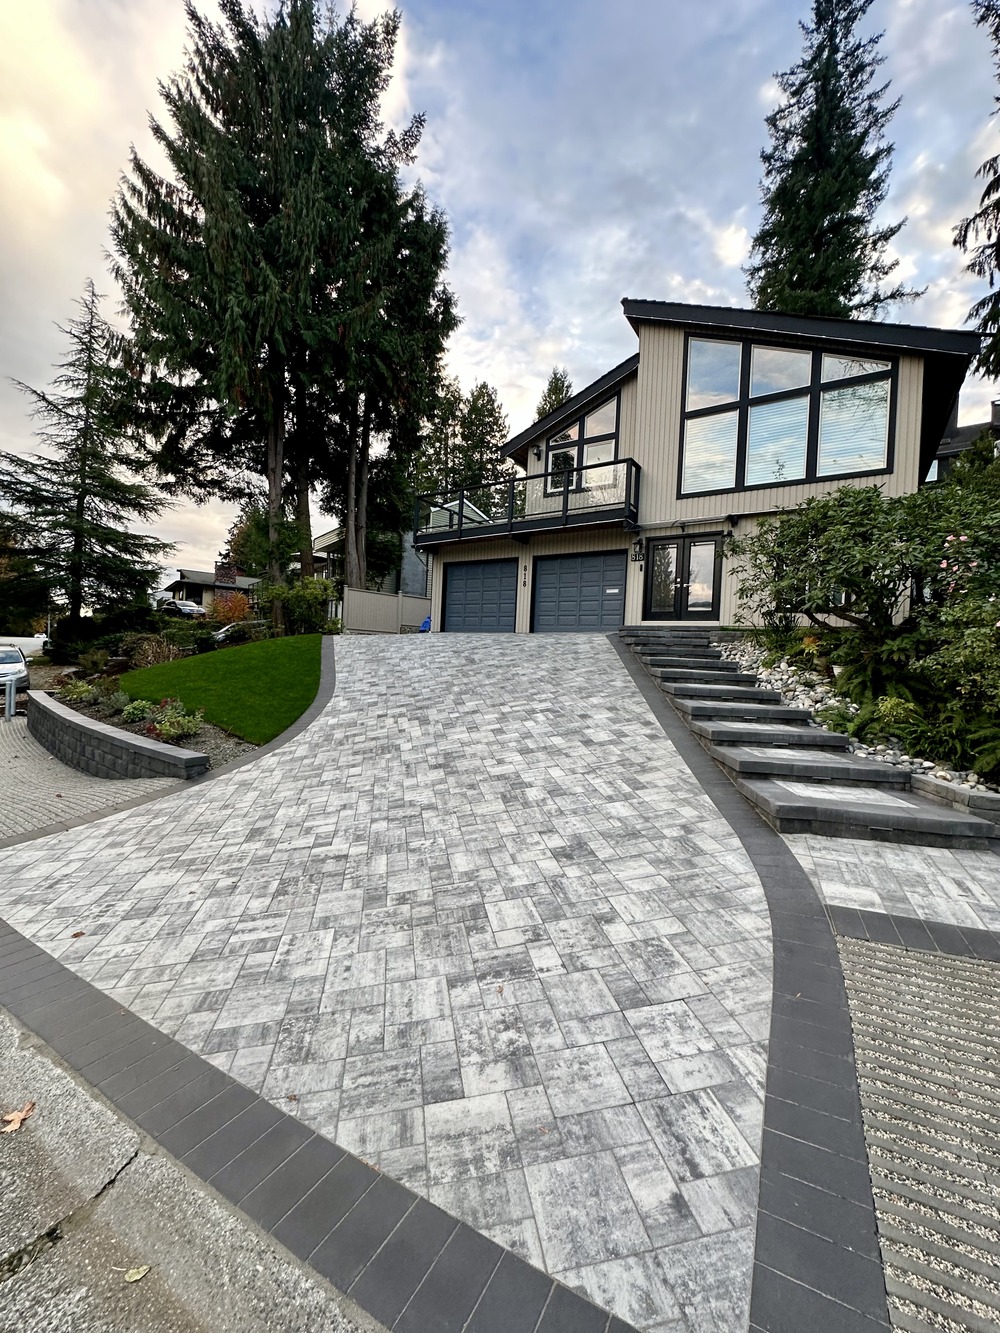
(76,501)
(255,275)
(979,235)
(558,389)
(818,250)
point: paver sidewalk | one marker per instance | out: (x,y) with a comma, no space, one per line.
(481,925)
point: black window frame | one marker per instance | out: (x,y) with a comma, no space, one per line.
(554,483)
(814,391)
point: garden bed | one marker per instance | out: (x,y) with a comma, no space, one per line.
(220,747)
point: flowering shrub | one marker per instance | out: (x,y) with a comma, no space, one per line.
(169,720)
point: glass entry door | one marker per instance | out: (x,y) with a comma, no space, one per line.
(683,578)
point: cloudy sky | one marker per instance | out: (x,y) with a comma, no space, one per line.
(583,152)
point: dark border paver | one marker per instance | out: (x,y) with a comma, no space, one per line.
(810,1048)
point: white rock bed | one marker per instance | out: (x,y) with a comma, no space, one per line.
(807,689)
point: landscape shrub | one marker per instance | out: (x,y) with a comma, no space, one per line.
(137,710)
(169,720)
(76,692)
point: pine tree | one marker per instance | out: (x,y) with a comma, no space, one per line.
(77,501)
(818,250)
(979,235)
(558,389)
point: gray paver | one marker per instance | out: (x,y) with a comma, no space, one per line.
(37,790)
(480,923)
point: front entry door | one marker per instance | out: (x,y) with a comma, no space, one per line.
(683,578)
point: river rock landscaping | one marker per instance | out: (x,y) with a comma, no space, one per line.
(809,689)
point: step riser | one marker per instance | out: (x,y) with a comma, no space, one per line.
(806,770)
(735,693)
(693,677)
(797,735)
(866,833)
(730,712)
(683,657)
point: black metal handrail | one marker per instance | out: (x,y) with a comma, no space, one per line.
(467,508)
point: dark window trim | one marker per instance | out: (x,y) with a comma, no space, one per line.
(550,487)
(684,540)
(814,392)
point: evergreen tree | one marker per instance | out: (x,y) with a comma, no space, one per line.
(260,275)
(484,432)
(818,250)
(462,443)
(979,235)
(76,501)
(558,389)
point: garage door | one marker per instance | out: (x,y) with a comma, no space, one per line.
(579,592)
(480,597)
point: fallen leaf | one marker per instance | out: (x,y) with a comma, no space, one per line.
(15,1119)
(500,989)
(59,795)
(134,1274)
(78,934)
(292,1097)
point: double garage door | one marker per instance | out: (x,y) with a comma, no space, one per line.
(572,593)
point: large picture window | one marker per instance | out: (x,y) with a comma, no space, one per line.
(590,440)
(756,415)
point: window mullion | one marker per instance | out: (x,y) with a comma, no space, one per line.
(815,401)
(743,423)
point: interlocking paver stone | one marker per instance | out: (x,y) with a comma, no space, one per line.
(37,789)
(479,924)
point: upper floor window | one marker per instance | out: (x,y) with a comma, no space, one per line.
(591,439)
(757,415)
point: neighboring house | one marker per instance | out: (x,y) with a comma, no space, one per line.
(634,484)
(203,586)
(410,580)
(959,438)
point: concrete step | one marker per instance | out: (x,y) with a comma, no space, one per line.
(722,732)
(679,656)
(728,711)
(675,646)
(707,675)
(722,690)
(655,640)
(842,811)
(799,761)
(676,631)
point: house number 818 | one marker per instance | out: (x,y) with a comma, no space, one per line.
(524,577)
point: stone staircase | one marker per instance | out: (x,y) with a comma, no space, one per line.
(800,778)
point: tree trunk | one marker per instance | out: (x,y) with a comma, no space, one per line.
(361,515)
(275,470)
(303,518)
(352,570)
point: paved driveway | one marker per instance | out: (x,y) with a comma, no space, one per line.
(479,924)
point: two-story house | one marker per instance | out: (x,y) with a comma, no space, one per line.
(633,485)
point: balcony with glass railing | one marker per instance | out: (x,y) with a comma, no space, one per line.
(599,494)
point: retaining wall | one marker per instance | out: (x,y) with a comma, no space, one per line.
(104,751)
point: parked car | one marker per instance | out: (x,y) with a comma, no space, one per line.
(179,608)
(238,628)
(13,663)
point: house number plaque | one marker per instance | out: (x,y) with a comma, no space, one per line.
(638,552)
(524,576)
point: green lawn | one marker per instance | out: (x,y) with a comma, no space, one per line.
(254,690)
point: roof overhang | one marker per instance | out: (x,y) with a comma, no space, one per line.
(947,353)
(517,447)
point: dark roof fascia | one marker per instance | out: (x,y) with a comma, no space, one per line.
(571,408)
(866,333)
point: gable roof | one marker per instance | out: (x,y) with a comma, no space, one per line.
(206,579)
(517,446)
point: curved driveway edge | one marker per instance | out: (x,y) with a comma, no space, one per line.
(816,1262)
(152,789)
(479,923)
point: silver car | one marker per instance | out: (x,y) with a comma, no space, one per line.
(13,663)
